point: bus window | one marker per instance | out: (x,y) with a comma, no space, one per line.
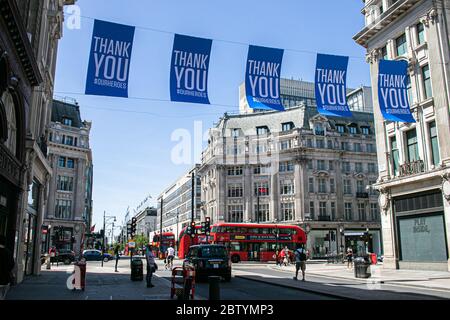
(214,229)
(253,230)
(265,230)
(235,246)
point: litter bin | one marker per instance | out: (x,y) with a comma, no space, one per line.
(137,272)
(373,258)
(362,267)
(80,275)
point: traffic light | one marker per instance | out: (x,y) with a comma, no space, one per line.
(133,227)
(207,226)
(203,228)
(192,229)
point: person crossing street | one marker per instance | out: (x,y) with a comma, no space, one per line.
(300,261)
(170,255)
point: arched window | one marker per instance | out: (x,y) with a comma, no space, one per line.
(11,141)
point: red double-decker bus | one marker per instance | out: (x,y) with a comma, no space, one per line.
(160,245)
(185,241)
(256,242)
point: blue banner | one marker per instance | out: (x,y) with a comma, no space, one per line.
(109,61)
(189,69)
(392,91)
(262,78)
(331,85)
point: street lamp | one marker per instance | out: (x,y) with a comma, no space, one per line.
(105,218)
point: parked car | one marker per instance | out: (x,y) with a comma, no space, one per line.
(96,255)
(209,260)
(65,256)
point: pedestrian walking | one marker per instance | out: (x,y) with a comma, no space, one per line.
(117,256)
(276,256)
(300,261)
(151,265)
(6,268)
(349,258)
(286,256)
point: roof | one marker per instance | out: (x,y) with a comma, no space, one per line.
(61,110)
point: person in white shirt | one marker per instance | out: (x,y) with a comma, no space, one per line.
(170,254)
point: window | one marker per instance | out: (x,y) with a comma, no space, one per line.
(309,164)
(287,187)
(63,209)
(286,166)
(65,183)
(331,165)
(362,212)
(352,130)
(263,188)
(287,126)
(359,186)
(340,128)
(309,143)
(261,169)
(62,162)
(329,144)
(68,140)
(321,165)
(412,153)
(235,190)
(420,33)
(332,186)
(287,211)
(374,211)
(235,133)
(395,156)
(262,130)
(70,163)
(358,167)
(435,157)
(426,82)
(320,143)
(365,131)
(235,171)
(286,144)
(322,209)
(371,168)
(347,186)
(318,129)
(67,121)
(348,211)
(400,44)
(346,167)
(370,148)
(322,185)
(311,185)
(384,53)
(333,210)
(372,191)
(345,145)
(358,147)
(311,209)
(235,213)
(262,213)
(409,90)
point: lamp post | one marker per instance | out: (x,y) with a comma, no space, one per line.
(105,217)
(341,232)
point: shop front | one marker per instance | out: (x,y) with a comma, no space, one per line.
(30,231)
(322,243)
(363,241)
(421,233)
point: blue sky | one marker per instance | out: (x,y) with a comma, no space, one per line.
(131,138)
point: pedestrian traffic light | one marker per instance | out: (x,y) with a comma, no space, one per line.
(203,228)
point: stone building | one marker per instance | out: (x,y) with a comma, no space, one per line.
(69,206)
(413,158)
(29,35)
(301,168)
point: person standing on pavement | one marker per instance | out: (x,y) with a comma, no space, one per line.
(151,265)
(6,267)
(117,255)
(349,258)
(300,261)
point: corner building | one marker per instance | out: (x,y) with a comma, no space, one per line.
(413,158)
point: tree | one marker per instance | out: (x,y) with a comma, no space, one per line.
(141,241)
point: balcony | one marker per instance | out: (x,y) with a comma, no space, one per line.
(410,168)
(363,195)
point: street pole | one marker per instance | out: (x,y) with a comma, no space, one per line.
(192,198)
(104,233)
(160,224)
(257,206)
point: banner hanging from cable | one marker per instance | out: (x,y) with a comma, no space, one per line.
(110,58)
(393,92)
(331,85)
(189,69)
(262,78)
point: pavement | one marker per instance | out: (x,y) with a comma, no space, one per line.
(102,283)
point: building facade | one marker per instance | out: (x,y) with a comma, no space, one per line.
(413,158)
(69,210)
(296,167)
(177,204)
(146,221)
(28,46)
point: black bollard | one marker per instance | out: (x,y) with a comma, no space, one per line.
(214,287)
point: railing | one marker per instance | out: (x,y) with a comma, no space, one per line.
(324,218)
(411,168)
(362,195)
